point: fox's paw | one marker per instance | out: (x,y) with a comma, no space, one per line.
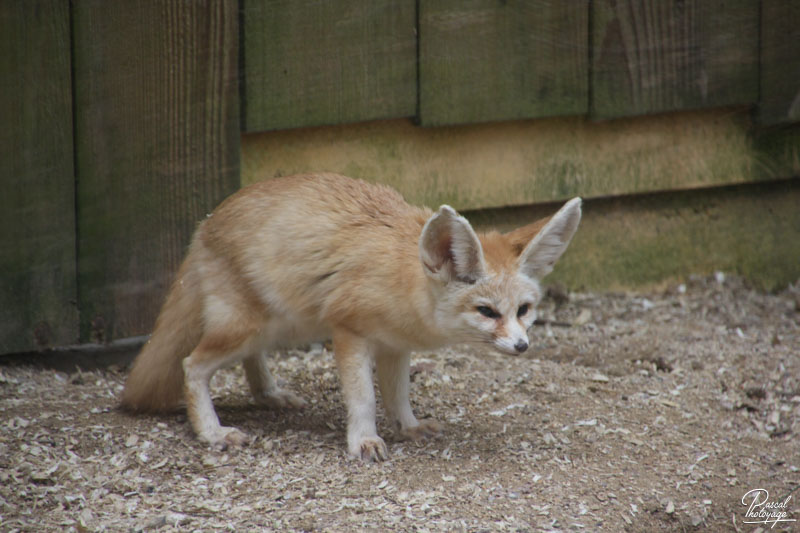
(226,437)
(370,449)
(426,429)
(281,399)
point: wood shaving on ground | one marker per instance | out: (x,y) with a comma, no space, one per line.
(636,412)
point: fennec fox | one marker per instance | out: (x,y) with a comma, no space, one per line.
(303,258)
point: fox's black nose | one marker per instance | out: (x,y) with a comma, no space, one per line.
(521,346)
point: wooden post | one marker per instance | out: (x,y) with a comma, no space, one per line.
(157,136)
(37,201)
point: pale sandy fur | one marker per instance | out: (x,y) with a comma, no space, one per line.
(304,258)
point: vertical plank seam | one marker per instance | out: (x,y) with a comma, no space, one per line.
(759,60)
(75,176)
(215,24)
(418,85)
(590,53)
(241,68)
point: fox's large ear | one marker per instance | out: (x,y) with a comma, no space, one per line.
(541,253)
(449,248)
(521,237)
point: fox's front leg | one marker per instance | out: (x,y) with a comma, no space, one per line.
(393,378)
(354,361)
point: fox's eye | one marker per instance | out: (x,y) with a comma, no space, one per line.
(522,311)
(488,312)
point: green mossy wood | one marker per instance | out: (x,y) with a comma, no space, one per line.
(752,230)
(309,63)
(484,60)
(651,56)
(157,129)
(37,219)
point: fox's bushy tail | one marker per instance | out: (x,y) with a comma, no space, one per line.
(155,382)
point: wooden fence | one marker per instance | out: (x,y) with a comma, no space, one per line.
(122,121)
(121,130)
(464,61)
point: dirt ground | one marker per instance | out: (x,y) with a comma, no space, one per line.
(631,412)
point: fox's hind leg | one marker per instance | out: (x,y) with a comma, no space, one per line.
(213,352)
(393,379)
(263,386)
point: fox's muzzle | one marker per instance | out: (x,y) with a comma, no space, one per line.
(512,346)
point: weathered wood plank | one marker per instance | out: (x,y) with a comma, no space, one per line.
(37,212)
(532,161)
(483,60)
(311,62)
(780,62)
(157,136)
(663,55)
